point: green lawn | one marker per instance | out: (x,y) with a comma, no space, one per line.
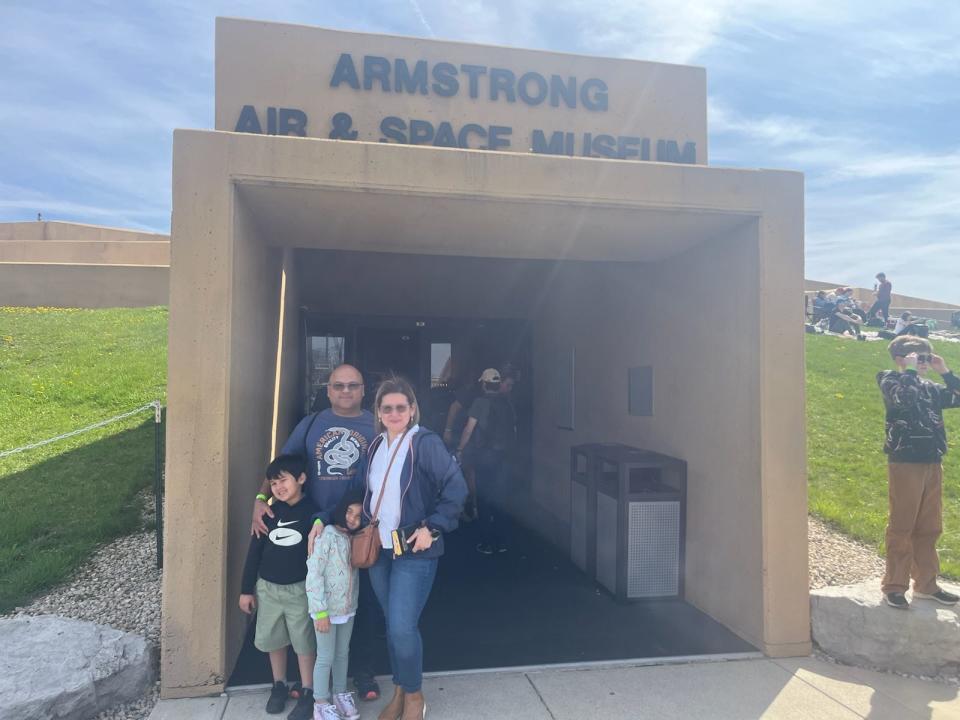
(61,370)
(846,464)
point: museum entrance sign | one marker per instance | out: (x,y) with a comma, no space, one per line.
(281,79)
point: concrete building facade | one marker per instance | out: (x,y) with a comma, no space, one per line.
(65,264)
(614,260)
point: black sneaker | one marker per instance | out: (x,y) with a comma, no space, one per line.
(367,687)
(941,596)
(485,549)
(303,710)
(278,698)
(296,690)
(897,600)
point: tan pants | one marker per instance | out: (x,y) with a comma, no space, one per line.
(915,524)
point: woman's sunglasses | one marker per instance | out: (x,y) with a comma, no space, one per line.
(391,409)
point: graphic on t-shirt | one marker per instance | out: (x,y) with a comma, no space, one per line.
(338,451)
(285,536)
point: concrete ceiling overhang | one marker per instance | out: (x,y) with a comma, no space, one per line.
(404,221)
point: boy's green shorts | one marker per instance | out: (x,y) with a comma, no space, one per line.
(283,618)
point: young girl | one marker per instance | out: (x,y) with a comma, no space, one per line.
(332,591)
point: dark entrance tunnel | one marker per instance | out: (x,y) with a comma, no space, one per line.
(528,606)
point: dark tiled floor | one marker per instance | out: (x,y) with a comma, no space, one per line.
(533,607)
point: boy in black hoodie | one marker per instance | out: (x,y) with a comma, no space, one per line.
(274,584)
(915,443)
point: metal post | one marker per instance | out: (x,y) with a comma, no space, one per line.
(158,473)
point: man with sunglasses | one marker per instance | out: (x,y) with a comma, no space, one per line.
(915,443)
(334,443)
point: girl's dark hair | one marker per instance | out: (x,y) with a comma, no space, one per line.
(350,497)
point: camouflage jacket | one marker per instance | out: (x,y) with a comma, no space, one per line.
(914,428)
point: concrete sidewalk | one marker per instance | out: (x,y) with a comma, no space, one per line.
(742,689)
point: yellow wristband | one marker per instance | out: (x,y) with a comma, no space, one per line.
(261,496)
(321,615)
(318,521)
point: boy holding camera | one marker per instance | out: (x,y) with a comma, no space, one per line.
(915,442)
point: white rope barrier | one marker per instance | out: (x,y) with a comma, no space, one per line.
(155,406)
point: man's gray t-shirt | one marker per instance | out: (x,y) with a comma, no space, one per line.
(335,449)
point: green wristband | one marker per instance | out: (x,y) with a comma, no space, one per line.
(318,521)
(261,496)
(321,615)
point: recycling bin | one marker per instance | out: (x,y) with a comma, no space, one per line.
(640,523)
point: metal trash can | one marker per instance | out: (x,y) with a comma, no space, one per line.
(583,504)
(640,523)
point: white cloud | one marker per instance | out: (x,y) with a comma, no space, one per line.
(868,208)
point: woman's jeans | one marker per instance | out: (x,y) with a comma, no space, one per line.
(333,653)
(402,586)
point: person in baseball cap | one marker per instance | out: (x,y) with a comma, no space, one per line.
(490,375)
(483,445)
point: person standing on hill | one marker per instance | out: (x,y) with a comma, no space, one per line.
(883,292)
(915,444)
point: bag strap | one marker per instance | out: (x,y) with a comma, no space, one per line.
(306,450)
(386,476)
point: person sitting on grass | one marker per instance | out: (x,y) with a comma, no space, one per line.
(844,321)
(822,308)
(907,324)
(915,443)
(849,304)
(273,583)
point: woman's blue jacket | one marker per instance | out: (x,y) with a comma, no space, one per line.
(433,491)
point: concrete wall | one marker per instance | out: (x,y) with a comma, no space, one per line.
(255,311)
(82,252)
(193,635)
(224,325)
(55,231)
(58,264)
(438,286)
(38,284)
(706,408)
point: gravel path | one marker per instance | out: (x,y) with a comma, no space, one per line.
(836,559)
(120,587)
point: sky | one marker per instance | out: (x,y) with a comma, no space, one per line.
(862,96)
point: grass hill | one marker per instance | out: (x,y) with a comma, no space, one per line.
(61,370)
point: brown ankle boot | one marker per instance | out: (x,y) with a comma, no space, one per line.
(395,707)
(414,706)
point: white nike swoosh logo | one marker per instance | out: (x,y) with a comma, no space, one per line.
(284,524)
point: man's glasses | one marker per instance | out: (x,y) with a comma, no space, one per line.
(340,387)
(391,409)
